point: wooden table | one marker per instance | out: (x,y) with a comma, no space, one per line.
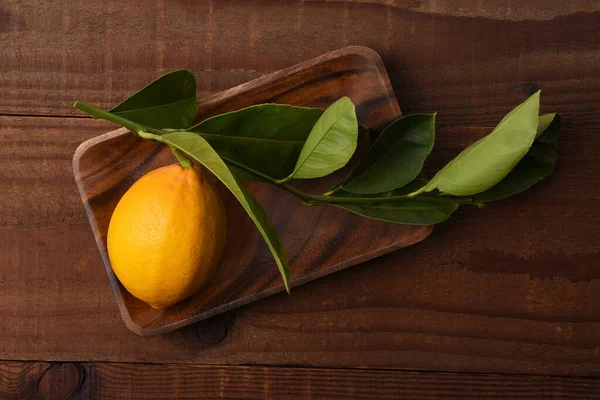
(499,302)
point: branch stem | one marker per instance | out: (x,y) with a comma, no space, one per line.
(101,114)
(308,198)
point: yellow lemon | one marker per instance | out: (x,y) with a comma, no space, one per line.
(167,234)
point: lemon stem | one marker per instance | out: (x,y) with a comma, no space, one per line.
(183,160)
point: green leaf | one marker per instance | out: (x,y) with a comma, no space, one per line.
(243,175)
(544,122)
(396,157)
(410,187)
(330,144)
(267,137)
(421,210)
(168,102)
(487,161)
(198,148)
(427,209)
(537,164)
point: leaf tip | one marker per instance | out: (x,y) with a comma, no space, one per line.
(345,99)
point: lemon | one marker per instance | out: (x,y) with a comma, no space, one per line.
(167,234)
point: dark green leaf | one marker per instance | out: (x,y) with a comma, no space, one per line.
(395,158)
(427,209)
(168,102)
(487,161)
(196,147)
(410,187)
(421,210)
(537,164)
(267,137)
(243,175)
(330,144)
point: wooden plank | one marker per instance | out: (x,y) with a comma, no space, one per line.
(471,61)
(22,381)
(511,288)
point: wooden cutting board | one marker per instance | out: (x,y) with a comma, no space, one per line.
(319,240)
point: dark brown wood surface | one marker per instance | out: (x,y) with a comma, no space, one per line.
(470,60)
(23,381)
(319,240)
(512,288)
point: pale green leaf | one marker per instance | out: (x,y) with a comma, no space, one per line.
(537,164)
(544,122)
(330,144)
(487,161)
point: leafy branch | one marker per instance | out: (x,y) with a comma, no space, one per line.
(276,143)
(328,199)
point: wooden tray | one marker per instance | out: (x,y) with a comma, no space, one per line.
(319,240)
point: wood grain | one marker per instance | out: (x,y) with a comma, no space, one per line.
(471,61)
(171,381)
(511,288)
(59,381)
(318,240)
